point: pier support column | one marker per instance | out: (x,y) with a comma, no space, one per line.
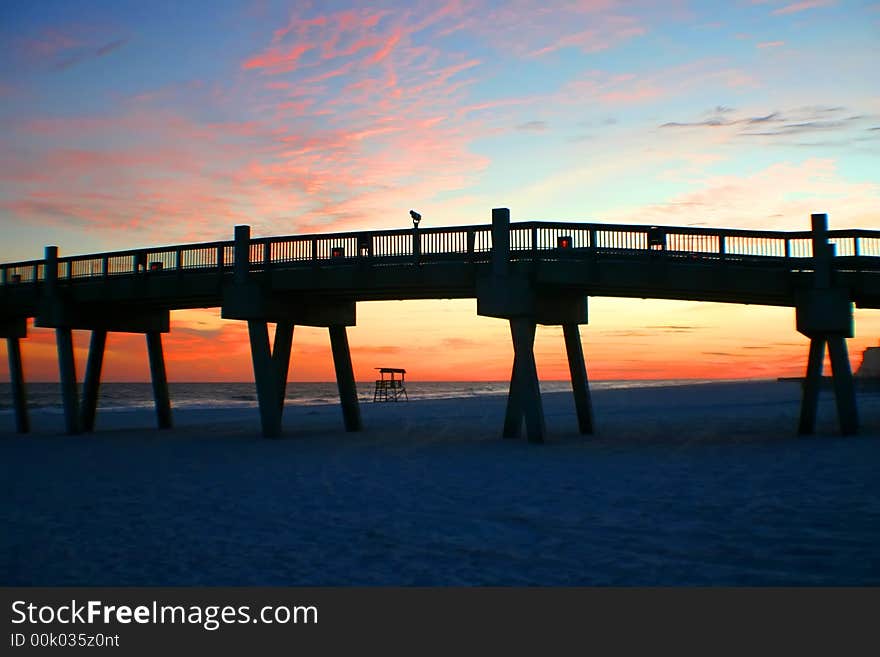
(266,378)
(281,358)
(351,412)
(525,392)
(580,384)
(92,380)
(824,313)
(67,372)
(16,378)
(160,379)
(844,387)
(812,383)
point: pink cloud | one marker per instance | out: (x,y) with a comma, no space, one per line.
(780,196)
(552,25)
(51,43)
(335,35)
(771,44)
(386,49)
(596,39)
(369,118)
(629,89)
(163,173)
(803,6)
(277,61)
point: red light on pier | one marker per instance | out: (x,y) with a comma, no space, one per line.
(337,252)
(563,242)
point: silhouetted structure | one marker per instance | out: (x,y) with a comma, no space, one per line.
(869,368)
(526,273)
(392,388)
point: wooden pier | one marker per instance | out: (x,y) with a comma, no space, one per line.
(526,273)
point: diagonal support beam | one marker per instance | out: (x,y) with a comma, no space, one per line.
(351,412)
(281,358)
(266,378)
(844,387)
(92,380)
(67,376)
(16,378)
(580,384)
(812,383)
(160,379)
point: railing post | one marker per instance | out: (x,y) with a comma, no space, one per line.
(220,258)
(500,241)
(471,242)
(178,259)
(822,250)
(856,249)
(242,253)
(722,245)
(50,255)
(314,248)
(787,247)
(105,266)
(267,254)
(534,242)
(593,244)
(417,244)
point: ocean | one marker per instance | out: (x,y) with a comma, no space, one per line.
(127,396)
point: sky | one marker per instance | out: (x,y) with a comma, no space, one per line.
(127,124)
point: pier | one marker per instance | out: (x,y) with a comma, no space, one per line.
(525,273)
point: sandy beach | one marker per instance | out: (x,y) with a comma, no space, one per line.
(687,485)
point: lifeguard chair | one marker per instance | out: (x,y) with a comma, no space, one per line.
(392,388)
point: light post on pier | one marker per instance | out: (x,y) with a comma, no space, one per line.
(417,242)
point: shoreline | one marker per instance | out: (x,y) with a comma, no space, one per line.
(665,403)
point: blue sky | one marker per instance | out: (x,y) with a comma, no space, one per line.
(130,123)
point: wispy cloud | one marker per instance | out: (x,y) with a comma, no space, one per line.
(532,126)
(781,124)
(778,196)
(677,328)
(588,26)
(797,7)
(276,60)
(63,48)
(109,47)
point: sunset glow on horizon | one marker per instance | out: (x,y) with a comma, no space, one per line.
(130,124)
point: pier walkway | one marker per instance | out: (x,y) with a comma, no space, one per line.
(527,273)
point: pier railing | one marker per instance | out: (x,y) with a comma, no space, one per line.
(534,239)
